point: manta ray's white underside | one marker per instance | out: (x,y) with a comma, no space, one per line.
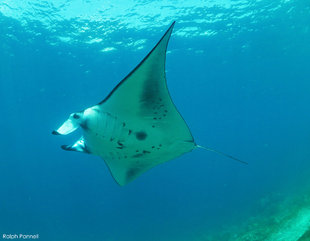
(137,126)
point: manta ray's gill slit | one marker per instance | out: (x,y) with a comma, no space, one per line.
(137,155)
(84,125)
(115,130)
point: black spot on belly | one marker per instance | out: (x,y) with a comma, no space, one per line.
(141,135)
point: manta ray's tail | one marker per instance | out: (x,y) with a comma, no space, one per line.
(221,153)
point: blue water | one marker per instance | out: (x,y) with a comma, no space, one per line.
(238,72)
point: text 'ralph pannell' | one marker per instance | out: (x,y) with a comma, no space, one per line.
(20,236)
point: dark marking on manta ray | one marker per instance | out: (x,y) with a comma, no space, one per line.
(149,93)
(132,172)
(84,125)
(86,150)
(76,116)
(137,155)
(141,135)
(67,148)
(121,145)
(56,133)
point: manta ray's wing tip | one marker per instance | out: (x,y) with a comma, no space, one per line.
(172,25)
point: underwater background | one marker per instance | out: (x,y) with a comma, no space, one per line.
(238,72)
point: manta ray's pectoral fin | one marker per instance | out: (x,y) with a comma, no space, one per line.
(78,146)
(69,125)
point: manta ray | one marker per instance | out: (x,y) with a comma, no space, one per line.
(137,126)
